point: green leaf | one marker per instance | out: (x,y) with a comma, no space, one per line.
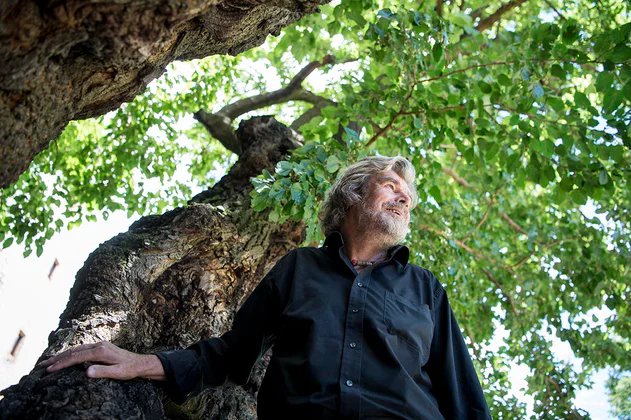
(385,13)
(603,177)
(581,101)
(604,81)
(578,196)
(547,148)
(283,168)
(351,133)
(437,52)
(7,243)
(504,80)
(418,123)
(461,19)
(620,54)
(274,216)
(557,71)
(485,87)
(296,192)
(333,164)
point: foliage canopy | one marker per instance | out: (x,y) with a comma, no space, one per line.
(516,116)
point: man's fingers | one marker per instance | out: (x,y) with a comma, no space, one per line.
(66,354)
(97,353)
(112,372)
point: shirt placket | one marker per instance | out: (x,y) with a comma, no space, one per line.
(350,372)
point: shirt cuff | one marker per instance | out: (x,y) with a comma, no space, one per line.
(182,372)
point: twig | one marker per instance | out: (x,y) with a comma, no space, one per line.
(545,246)
(555,9)
(499,286)
(473,343)
(464,246)
(394,118)
(494,17)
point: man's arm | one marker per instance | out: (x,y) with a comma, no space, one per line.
(209,363)
(212,362)
(455,383)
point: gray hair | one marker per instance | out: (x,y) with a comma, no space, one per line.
(352,184)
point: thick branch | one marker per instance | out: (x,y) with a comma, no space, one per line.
(307,116)
(487,22)
(439,8)
(76,59)
(292,92)
(220,127)
(219,124)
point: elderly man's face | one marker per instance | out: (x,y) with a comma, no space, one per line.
(384,210)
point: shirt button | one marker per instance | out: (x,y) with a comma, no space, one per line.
(349,383)
(355,310)
(353,345)
(360,284)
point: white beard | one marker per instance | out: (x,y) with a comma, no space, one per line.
(382,225)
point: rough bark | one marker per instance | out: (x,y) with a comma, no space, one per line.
(169,281)
(74,59)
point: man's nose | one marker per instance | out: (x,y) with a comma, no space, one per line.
(404,199)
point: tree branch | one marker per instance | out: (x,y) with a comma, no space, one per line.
(219,124)
(220,127)
(464,246)
(478,12)
(499,286)
(439,8)
(487,22)
(307,116)
(460,180)
(473,343)
(512,223)
(549,3)
(394,118)
(545,246)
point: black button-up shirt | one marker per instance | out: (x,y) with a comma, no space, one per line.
(383,343)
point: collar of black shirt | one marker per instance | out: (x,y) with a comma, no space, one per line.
(400,253)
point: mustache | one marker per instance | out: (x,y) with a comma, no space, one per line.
(395,205)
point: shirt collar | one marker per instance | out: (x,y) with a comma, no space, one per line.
(400,253)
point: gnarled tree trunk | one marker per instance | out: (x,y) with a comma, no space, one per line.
(74,59)
(171,280)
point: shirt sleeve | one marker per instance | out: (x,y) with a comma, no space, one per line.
(212,362)
(455,383)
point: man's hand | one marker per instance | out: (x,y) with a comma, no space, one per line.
(119,364)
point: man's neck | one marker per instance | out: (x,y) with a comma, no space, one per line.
(363,247)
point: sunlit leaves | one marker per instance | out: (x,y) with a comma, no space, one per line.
(513,135)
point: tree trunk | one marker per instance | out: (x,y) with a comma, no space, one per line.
(74,59)
(168,282)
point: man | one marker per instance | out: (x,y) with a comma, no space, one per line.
(357,331)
